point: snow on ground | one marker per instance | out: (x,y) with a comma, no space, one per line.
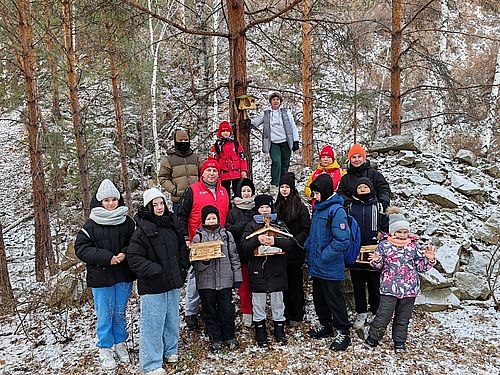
(62,341)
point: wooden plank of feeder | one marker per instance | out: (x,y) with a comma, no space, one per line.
(206,250)
(364,252)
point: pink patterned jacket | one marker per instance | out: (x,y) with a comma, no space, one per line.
(400,262)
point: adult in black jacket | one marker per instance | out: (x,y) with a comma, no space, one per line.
(295,215)
(158,255)
(102,244)
(359,167)
(237,219)
(267,274)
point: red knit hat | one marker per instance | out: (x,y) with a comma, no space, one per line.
(355,150)
(327,151)
(224,126)
(209,163)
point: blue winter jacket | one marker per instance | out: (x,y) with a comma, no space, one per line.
(326,246)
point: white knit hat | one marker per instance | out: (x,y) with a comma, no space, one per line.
(107,190)
(151,194)
(397,220)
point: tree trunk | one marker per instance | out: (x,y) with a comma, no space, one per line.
(396,37)
(7,301)
(307,106)
(118,117)
(49,45)
(493,107)
(238,72)
(81,147)
(26,57)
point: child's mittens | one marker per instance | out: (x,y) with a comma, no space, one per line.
(237,284)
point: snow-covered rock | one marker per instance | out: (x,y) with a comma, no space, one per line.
(448,257)
(433,279)
(435,176)
(406,158)
(477,263)
(441,196)
(466,156)
(437,300)
(493,171)
(470,286)
(417,180)
(394,143)
(464,186)
(490,230)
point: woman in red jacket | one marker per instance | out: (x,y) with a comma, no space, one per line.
(230,157)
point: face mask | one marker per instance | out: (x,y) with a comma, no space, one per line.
(182,146)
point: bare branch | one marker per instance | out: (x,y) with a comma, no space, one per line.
(270,18)
(416,15)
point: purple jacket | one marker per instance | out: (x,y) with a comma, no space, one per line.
(400,262)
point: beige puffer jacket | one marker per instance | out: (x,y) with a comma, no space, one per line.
(178,171)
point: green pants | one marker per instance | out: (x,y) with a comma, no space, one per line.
(280,156)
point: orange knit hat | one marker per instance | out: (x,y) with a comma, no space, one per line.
(355,150)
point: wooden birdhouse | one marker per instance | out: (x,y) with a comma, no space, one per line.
(247,102)
(364,253)
(206,250)
(268,230)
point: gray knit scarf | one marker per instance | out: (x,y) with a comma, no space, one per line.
(244,203)
(104,217)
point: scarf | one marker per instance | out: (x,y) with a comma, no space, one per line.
(104,217)
(244,203)
(211,227)
(398,242)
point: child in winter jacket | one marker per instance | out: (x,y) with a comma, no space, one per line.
(400,260)
(295,215)
(327,165)
(230,157)
(215,279)
(159,257)
(367,211)
(267,273)
(237,219)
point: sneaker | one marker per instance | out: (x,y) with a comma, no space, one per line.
(360,320)
(191,322)
(172,358)
(107,359)
(371,342)
(319,333)
(232,344)
(158,371)
(399,347)
(247,320)
(215,346)
(122,352)
(341,342)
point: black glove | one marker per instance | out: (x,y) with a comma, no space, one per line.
(237,284)
(295,146)
(247,122)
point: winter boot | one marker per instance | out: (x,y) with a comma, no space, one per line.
(279,332)
(371,342)
(319,333)
(399,347)
(341,341)
(191,322)
(260,333)
(122,352)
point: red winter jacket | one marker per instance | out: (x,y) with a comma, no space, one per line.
(230,158)
(201,197)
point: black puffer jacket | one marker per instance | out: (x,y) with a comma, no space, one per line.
(299,227)
(236,221)
(157,254)
(96,251)
(266,273)
(348,183)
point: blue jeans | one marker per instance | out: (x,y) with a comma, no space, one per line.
(159,328)
(110,306)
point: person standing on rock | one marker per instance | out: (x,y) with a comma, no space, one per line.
(102,244)
(280,137)
(359,167)
(179,169)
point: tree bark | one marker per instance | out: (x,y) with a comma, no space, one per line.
(238,72)
(81,147)
(306,68)
(118,116)
(396,37)
(7,301)
(26,58)
(49,45)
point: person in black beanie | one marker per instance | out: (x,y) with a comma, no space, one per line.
(295,215)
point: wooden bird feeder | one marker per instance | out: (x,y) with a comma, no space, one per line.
(206,250)
(364,253)
(268,230)
(246,102)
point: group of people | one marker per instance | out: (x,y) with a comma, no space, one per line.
(216,201)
